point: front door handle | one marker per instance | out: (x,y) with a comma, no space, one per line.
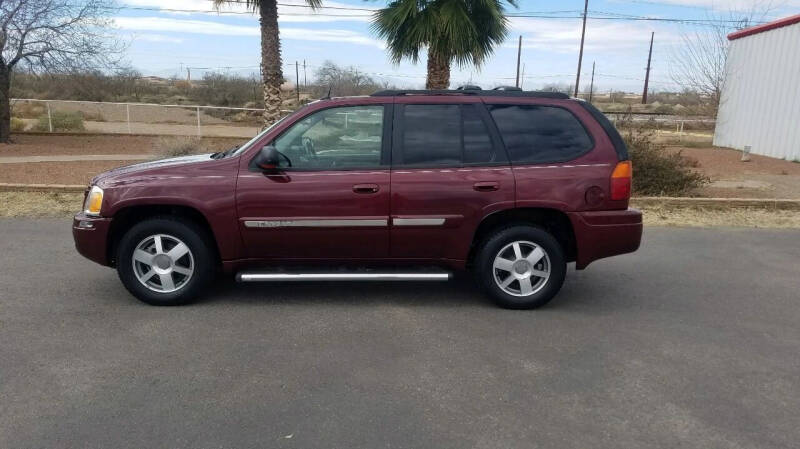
(366,188)
(486,186)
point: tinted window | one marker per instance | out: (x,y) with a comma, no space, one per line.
(477,143)
(345,137)
(444,135)
(540,134)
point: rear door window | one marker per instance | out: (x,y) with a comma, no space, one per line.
(535,134)
(443,135)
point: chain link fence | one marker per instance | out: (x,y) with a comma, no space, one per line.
(34,115)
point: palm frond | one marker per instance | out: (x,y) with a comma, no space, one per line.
(464,31)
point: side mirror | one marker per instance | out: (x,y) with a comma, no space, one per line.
(268,159)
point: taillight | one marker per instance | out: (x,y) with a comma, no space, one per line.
(621,181)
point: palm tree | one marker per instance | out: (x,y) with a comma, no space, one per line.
(271,72)
(464,31)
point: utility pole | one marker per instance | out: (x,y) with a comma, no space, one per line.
(188,74)
(580,55)
(297,81)
(591,86)
(519,54)
(522,78)
(305,78)
(647,75)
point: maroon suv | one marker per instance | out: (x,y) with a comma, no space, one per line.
(399,185)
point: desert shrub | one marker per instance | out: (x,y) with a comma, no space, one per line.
(664,109)
(62,121)
(17,125)
(175,146)
(92,116)
(25,109)
(659,171)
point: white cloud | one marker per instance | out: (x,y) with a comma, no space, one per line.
(184,26)
(216,28)
(157,38)
(564,36)
(286,13)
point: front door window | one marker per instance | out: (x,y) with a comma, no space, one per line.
(334,139)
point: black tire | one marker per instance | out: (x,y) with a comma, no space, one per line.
(492,245)
(189,233)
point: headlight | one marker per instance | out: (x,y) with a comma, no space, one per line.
(94,201)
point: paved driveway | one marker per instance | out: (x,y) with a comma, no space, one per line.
(692,342)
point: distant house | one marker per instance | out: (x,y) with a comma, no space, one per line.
(760,101)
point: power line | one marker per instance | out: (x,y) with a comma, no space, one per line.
(566,14)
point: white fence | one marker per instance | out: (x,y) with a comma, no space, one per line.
(138,118)
(179,119)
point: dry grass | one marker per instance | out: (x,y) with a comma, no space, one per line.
(706,217)
(42,204)
(39,204)
(179,146)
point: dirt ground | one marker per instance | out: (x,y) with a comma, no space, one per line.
(43,144)
(75,173)
(762,177)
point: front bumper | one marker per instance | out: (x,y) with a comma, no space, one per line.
(605,233)
(91,237)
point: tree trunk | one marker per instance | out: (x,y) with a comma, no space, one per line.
(438,72)
(271,72)
(5,104)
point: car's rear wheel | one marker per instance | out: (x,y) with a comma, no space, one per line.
(521,267)
(164,261)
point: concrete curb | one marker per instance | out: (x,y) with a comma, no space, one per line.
(643,201)
(716,203)
(51,188)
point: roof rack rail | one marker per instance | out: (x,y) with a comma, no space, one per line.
(508,88)
(485,93)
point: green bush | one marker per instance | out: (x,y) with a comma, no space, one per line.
(62,121)
(17,125)
(658,171)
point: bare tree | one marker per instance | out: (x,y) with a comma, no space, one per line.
(51,36)
(343,81)
(698,62)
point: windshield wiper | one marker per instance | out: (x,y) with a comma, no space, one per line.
(226,153)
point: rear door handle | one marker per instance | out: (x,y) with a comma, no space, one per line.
(487,186)
(366,188)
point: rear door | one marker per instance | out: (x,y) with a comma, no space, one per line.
(449,170)
(561,157)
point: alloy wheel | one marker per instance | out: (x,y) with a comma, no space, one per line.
(521,268)
(163,263)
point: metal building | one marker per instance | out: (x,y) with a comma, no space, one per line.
(760,101)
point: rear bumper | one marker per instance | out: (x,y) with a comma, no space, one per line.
(91,237)
(605,233)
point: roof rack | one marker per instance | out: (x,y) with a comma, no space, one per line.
(483,93)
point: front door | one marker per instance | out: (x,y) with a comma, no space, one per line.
(449,171)
(330,199)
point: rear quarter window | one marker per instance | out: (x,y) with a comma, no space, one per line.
(536,134)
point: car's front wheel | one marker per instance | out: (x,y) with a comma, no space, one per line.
(164,261)
(521,267)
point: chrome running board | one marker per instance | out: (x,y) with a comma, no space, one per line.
(341,276)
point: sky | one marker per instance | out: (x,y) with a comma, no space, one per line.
(164,39)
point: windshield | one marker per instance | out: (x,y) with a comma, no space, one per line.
(258,136)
